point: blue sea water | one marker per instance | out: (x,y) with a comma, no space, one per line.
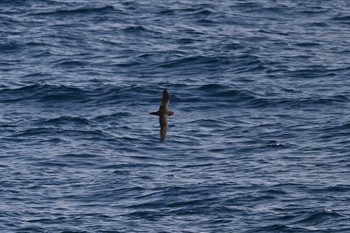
(259,142)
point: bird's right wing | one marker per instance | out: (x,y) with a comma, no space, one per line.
(166,99)
(163,121)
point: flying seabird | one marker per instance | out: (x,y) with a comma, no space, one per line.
(163,114)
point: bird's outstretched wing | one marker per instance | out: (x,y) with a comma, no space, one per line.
(165,100)
(163,121)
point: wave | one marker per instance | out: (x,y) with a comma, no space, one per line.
(66,120)
(76,11)
(42,92)
(312,222)
(317,217)
(344,19)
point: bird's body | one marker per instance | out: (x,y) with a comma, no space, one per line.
(163,114)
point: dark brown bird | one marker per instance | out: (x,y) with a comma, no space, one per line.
(163,114)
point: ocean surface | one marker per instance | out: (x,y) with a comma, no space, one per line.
(260,140)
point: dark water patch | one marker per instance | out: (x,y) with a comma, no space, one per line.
(338,130)
(54,134)
(314,11)
(208,122)
(146,215)
(80,11)
(35,75)
(233,46)
(135,29)
(42,92)
(343,126)
(31,229)
(6,125)
(338,188)
(310,72)
(318,217)
(112,116)
(195,62)
(51,164)
(308,44)
(318,24)
(66,120)
(345,19)
(297,102)
(207,22)
(54,140)
(98,135)
(126,166)
(248,6)
(277,228)
(212,87)
(70,161)
(83,155)
(199,165)
(249,62)
(34,132)
(275,192)
(224,94)
(240,95)
(203,12)
(67,63)
(9,46)
(315,222)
